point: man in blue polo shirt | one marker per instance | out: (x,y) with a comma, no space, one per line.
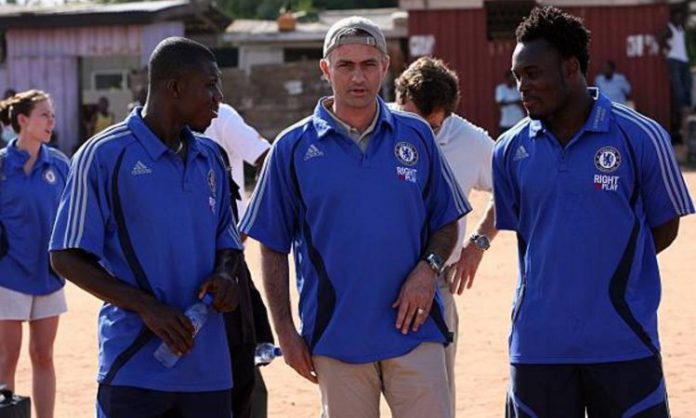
(370,208)
(145,224)
(594,193)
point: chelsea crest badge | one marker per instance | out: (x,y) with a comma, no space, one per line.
(406,153)
(607,159)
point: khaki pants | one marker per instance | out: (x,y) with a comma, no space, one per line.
(452,320)
(414,385)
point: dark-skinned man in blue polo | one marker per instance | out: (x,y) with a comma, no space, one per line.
(593,192)
(146,225)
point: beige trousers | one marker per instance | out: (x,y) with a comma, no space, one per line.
(414,385)
(452,320)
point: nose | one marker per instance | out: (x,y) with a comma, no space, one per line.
(358,74)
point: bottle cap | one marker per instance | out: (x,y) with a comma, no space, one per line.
(208,299)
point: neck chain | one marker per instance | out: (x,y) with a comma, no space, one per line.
(180,147)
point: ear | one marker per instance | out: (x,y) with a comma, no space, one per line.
(325,65)
(23,120)
(385,62)
(173,86)
(571,68)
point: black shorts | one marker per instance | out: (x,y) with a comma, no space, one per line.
(132,402)
(607,390)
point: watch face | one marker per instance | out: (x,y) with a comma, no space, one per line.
(435,262)
(482,242)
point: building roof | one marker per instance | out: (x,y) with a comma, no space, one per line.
(392,21)
(198,15)
(478,4)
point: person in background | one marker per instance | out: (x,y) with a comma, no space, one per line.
(613,85)
(430,89)
(139,98)
(245,330)
(102,117)
(593,192)
(673,43)
(508,99)
(6,131)
(32,178)
(241,142)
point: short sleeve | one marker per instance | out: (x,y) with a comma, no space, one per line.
(663,189)
(271,217)
(83,212)
(237,137)
(505,193)
(445,201)
(484,180)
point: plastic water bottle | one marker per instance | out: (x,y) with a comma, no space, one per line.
(198,314)
(265,353)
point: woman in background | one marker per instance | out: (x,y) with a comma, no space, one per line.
(32,178)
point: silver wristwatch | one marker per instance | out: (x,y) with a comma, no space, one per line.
(481,241)
(435,262)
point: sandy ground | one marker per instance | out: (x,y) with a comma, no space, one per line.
(482,358)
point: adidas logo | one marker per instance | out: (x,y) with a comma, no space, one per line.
(520,154)
(140,168)
(312,152)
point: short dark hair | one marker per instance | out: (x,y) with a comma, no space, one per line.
(430,85)
(564,32)
(175,56)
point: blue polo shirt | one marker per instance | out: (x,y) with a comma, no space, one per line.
(358,224)
(28,206)
(156,224)
(589,285)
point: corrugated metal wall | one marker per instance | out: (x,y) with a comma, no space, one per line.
(625,34)
(48,59)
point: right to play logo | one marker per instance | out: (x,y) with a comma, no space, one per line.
(606,182)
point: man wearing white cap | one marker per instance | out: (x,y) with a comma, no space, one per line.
(369,206)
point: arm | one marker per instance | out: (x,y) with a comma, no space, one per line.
(223,283)
(416,294)
(164,321)
(471,255)
(664,235)
(663,37)
(276,277)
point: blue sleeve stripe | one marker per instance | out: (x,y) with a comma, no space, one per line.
(257,196)
(668,165)
(460,201)
(78,193)
(669,169)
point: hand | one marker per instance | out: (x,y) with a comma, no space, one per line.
(296,355)
(224,288)
(170,325)
(415,298)
(465,268)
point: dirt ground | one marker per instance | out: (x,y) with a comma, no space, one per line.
(482,358)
